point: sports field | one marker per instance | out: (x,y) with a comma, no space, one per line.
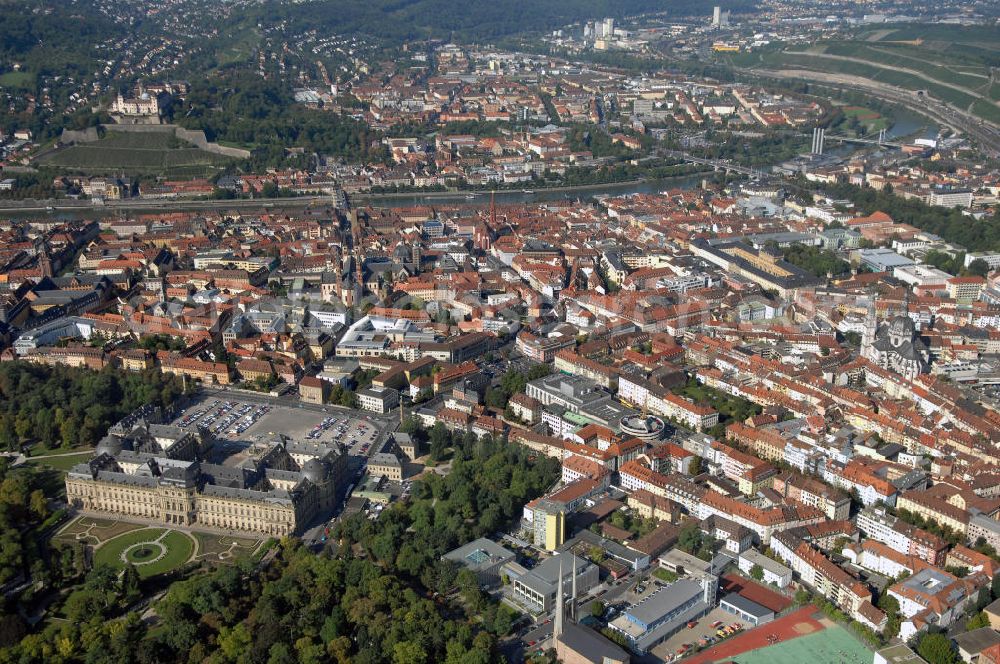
(831,646)
(797,638)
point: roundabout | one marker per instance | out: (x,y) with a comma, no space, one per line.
(151,551)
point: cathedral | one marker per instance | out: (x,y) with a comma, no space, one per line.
(894,345)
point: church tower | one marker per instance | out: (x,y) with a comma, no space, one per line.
(45,265)
(45,262)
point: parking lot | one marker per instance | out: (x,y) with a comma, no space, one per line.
(630,590)
(233,421)
(703,629)
(223,419)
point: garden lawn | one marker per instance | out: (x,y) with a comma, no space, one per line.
(179,547)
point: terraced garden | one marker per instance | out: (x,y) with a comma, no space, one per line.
(960,98)
(136,152)
(954,64)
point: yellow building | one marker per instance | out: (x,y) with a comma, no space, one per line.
(549,523)
(933,508)
(555,530)
(385,465)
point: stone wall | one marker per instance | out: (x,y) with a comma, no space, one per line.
(88,135)
(195,137)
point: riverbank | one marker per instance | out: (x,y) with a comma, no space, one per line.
(464,193)
(68,208)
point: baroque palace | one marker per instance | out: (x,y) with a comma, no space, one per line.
(150,471)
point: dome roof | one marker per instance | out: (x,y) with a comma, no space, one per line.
(315,471)
(109,445)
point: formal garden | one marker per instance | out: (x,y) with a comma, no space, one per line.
(151,550)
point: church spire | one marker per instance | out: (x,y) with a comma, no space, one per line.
(557,628)
(572,597)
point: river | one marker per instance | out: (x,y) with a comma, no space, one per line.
(513,197)
(905,125)
(505,197)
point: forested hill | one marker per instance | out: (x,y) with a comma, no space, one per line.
(48,36)
(471,19)
(51,38)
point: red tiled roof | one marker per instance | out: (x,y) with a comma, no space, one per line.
(754,592)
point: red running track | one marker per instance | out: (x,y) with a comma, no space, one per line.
(783,628)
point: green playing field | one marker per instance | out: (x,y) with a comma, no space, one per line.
(834,645)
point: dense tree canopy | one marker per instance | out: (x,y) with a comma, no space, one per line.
(64,406)
(820,262)
(245,109)
(48,40)
(937,649)
(514,382)
(488,484)
(24,517)
(973,234)
(379,592)
(890,605)
(759,151)
(596,140)
(942,260)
